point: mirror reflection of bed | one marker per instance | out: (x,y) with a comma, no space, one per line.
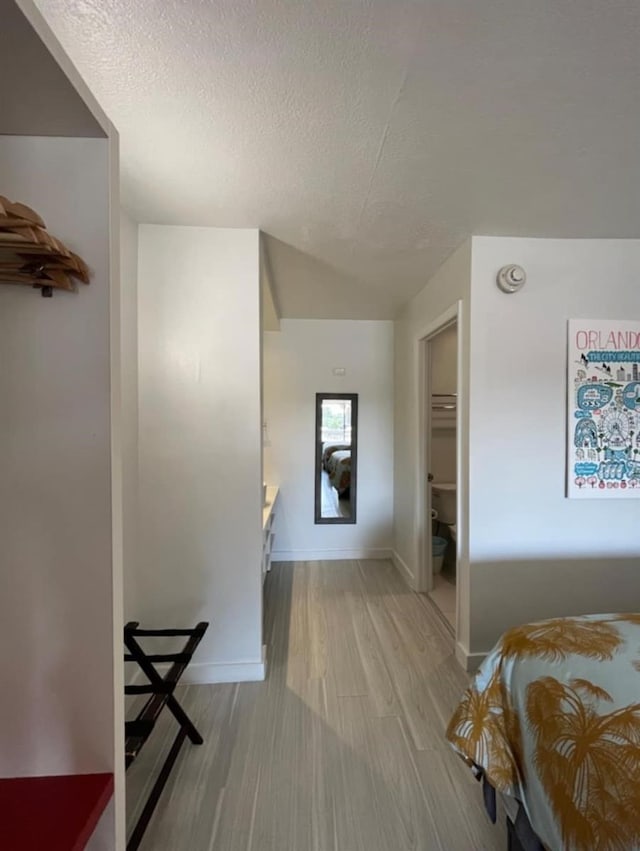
(336,480)
(336,453)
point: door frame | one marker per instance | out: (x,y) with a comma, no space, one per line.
(424,572)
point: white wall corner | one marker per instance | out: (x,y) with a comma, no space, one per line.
(469,662)
(207,673)
(210,673)
(187,415)
(403,569)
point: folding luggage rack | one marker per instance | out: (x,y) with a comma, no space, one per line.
(161,693)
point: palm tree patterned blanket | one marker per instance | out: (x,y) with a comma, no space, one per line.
(552,718)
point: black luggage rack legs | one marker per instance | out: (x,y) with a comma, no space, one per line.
(161,693)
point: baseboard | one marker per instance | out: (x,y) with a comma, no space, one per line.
(201,673)
(209,673)
(470,662)
(403,569)
(330,555)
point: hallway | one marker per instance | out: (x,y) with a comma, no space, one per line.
(342,748)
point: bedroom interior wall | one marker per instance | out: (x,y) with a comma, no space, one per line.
(298,363)
(199,543)
(129,405)
(56,713)
(534,553)
(449,285)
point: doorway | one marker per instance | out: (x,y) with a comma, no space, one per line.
(439,467)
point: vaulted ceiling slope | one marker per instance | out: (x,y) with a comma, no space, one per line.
(369,138)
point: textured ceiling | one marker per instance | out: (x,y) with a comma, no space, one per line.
(368,138)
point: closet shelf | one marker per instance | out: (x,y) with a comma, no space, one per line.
(443,410)
(32,256)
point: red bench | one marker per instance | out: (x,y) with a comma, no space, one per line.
(52,813)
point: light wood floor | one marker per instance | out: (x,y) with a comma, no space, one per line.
(443,594)
(342,748)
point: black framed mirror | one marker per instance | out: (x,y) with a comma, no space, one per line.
(336,464)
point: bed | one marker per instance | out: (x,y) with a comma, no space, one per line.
(552,722)
(336,460)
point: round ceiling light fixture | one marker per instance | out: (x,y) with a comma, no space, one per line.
(511,278)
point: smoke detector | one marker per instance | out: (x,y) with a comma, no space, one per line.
(511,278)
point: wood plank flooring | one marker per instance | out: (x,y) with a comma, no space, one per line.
(342,748)
(443,594)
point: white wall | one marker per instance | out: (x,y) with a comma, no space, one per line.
(534,553)
(298,363)
(129,405)
(450,285)
(56,711)
(199,544)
